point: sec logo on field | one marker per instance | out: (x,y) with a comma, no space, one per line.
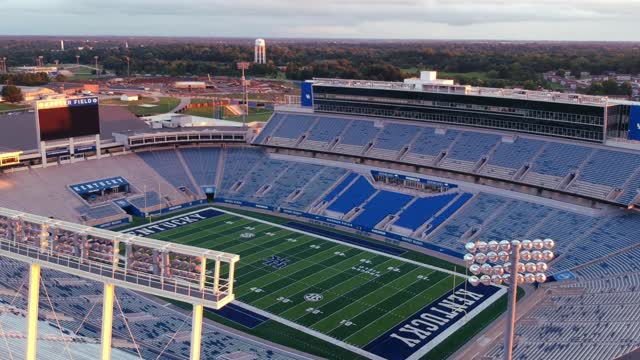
(313,297)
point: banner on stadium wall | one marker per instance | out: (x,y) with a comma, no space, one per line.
(306,95)
(99,185)
(113,223)
(58,152)
(245,203)
(412,178)
(634,123)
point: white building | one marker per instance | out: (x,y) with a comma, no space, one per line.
(428,78)
(260,56)
(126,97)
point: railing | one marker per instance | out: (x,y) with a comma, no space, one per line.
(107,271)
(549,96)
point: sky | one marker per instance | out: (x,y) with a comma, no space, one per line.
(582,20)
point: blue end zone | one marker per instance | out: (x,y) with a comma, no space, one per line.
(239,315)
(411,335)
(346,238)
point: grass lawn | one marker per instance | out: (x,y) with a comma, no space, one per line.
(359,295)
(261,115)
(164,105)
(254,114)
(7,106)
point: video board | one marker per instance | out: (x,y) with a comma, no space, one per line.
(66,118)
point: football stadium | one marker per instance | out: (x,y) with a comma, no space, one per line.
(351,225)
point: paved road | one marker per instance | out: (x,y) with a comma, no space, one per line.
(184,101)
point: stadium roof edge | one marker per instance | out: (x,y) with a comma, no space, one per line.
(519,94)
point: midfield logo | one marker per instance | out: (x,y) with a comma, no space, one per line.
(276,262)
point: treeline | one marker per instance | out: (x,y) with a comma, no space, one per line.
(609,87)
(496,64)
(25,79)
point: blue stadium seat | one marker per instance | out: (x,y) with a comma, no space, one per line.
(515,155)
(560,159)
(422,210)
(294,126)
(338,189)
(472,146)
(203,163)
(430,143)
(355,195)
(383,204)
(395,136)
(327,128)
(167,164)
(611,168)
(360,132)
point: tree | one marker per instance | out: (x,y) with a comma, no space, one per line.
(626,89)
(12,94)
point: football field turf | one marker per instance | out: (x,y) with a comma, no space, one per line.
(350,294)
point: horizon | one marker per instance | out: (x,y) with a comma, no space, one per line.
(518,20)
(88,37)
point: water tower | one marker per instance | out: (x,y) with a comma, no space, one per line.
(260,52)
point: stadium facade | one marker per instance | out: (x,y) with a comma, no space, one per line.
(571,116)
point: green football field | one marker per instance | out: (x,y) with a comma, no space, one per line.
(349,294)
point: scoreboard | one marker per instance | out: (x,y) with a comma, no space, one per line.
(67,118)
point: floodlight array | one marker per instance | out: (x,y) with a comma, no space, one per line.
(491,262)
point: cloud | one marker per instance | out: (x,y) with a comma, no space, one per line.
(338,18)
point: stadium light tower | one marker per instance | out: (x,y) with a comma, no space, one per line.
(244,65)
(78,60)
(507,268)
(128,63)
(97,71)
(3,65)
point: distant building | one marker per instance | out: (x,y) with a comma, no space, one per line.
(126,97)
(190,85)
(33,69)
(73,88)
(260,53)
(32,93)
(428,78)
